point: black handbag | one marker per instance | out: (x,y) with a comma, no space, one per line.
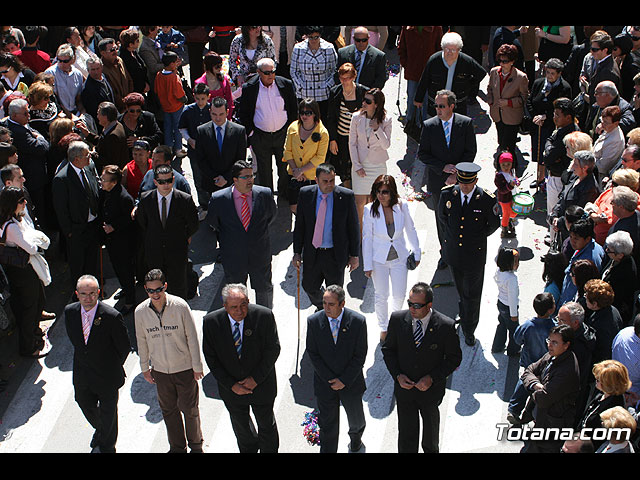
(12,256)
(411,261)
(412,129)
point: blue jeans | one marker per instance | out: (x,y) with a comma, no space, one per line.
(505,324)
(172,135)
(412,86)
(518,399)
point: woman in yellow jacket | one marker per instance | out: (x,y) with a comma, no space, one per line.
(305,148)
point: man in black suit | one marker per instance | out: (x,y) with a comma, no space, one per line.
(326,237)
(369,61)
(241,215)
(96,90)
(267,107)
(240,345)
(32,151)
(606,95)
(469,215)
(441,152)
(168,218)
(599,65)
(421,350)
(75,199)
(463,81)
(219,144)
(101,346)
(111,145)
(337,347)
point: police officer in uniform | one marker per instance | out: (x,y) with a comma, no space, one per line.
(469,215)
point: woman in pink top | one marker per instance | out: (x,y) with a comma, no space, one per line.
(219,84)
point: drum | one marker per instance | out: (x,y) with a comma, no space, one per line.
(522,203)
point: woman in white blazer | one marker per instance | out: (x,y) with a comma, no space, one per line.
(369,140)
(388,237)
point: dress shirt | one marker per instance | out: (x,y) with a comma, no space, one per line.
(362,56)
(237,201)
(425,322)
(451,69)
(68,86)
(339,319)
(270,115)
(327,237)
(233,326)
(626,350)
(90,314)
(91,217)
(168,197)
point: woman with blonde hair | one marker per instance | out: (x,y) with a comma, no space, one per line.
(43,110)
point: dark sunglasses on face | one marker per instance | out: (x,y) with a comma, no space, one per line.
(306,113)
(64,61)
(270,72)
(384,192)
(154,290)
(164,181)
(361,40)
(134,110)
(595,49)
(368,101)
(417,306)
(247,177)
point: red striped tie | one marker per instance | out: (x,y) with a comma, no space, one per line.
(245,213)
(86,326)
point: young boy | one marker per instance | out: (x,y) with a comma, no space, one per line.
(194,115)
(532,335)
(172,97)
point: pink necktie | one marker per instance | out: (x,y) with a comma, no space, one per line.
(245,213)
(319,227)
(86,326)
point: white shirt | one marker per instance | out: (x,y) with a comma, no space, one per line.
(270,114)
(168,197)
(425,322)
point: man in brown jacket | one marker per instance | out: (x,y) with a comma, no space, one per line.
(115,71)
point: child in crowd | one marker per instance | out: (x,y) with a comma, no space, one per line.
(172,40)
(506,278)
(506,181)
(532,336)
(172,97)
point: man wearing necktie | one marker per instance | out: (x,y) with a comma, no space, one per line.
(240,345)
(337,347)
(369,61)
(446,139)
(75,200)
(469,215)
(101,346)
(326,236)
(420,351)
(241,215)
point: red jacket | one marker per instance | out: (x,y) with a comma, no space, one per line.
(415,48)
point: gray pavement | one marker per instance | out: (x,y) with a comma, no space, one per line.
(39,414)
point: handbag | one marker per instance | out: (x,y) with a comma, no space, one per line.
(411,261)
(412,129)
(13,256)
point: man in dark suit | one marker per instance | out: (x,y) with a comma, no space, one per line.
(606,95)
(240,345)
(32,151)
(369,61)
(599,65)
(111,145)
(441,152)
(75,199)
(241,215)
(96,90)
(219,144)
(267,107)
(326,237)
(337,347)
(469,215)
(101,346)
(168,218)
(421,350)
(463,80)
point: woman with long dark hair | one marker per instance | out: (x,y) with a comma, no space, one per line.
(219,84)
(246,49)
(388,237)
(26,282)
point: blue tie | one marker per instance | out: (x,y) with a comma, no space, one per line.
(447,131)
(237,340)
(219,137)
(418,334)
(334,329)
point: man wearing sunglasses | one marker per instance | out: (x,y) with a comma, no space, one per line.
(68,81)
(598,65)
(369,61)
(241,214)
(168,218)
(169,352)
(420,351)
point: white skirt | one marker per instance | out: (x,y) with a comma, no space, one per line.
(362,185)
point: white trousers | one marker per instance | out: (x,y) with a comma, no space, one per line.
(554,188)
(394,272)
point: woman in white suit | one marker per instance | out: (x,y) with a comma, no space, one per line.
(369,140)
(388,237)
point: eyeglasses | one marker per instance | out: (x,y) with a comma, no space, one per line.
(504,60)
(306,113)
(134,110)
(634,38)
(384,192)
(361,40)
(368,101)
(2,72)
(64,61)
(595,49)
(416,306)
(151,291)
(114,49)
(164,181)
(247,177)
(313,37)
(553,342)
(270,72)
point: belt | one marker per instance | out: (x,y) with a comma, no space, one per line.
(271,133)
(324,249)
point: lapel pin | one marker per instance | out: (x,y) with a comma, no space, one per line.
(97,321)
(248,332)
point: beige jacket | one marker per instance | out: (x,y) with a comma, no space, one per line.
(170,345)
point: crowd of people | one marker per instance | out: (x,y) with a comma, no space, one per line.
(96,122)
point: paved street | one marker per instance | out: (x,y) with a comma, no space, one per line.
(38,412)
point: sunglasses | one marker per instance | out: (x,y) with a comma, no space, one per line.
(164,181)
(306,113)
(368,101)
(151,291)
(134,110)
(64,61)
(361,40)
(384,192)
(313,37)
(270,72)
(595,49)
(416,306)
(247,177)
(504,60)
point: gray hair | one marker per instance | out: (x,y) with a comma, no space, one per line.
(451,39)
(451,96)
(585,158)
(338,291)
(625,197)
(85,278)
(92,60)
(65,50)
(607,86)
(76,148)
(265,62)
(576,311)
(227,289)
(619,242)
(17,105)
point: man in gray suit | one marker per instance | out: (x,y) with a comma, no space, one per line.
(370,62)
(241,215)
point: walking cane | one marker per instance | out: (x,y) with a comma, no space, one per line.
(298,300)
(101,276)
(538,159)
